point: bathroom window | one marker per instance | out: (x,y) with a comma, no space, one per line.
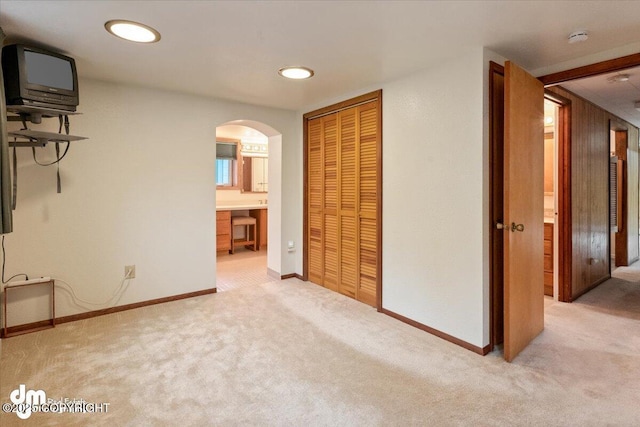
(228,163)
(224,172)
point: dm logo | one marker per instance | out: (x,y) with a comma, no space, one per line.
(25,400)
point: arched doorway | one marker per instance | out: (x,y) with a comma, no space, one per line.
(248,184)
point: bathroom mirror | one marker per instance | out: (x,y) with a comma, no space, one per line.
(255,177)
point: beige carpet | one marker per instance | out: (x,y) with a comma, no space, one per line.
(630,273)
(291,353)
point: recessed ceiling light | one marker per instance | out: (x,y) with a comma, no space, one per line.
(132,31)
(297,73)
(578,36)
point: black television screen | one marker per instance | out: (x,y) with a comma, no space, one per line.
(39,78)
(47,70)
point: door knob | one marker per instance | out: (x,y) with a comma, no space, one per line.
(514,227)
(517,227)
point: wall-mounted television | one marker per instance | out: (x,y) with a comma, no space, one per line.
(39,78)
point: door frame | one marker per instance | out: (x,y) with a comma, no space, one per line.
(496,205)
(621,141)
(564,226)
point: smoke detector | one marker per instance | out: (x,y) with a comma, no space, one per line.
(578,36)
(619,78)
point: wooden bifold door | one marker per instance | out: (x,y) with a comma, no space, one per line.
(342,250)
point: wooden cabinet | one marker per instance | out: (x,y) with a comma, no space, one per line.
(261,219)
(548,259)
(223,231)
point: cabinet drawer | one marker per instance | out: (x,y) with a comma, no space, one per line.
(223,215)
(548,247)
(223,242)
(548,279)
(548,232)
(223,227)
(548,263)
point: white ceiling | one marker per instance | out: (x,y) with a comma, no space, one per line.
(617,97)
(241,132)
(233,49)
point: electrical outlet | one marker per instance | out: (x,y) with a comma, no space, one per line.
(130,271)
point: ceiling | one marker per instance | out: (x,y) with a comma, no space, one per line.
(233,49)
(616,97)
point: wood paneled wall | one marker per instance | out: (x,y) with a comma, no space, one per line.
(590,192)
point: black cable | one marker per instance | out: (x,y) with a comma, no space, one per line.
(3,261)
(33,151)
(64,123)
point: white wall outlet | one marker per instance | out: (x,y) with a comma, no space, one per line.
(291,246)
(130,271)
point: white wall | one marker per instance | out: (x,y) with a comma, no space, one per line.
(140,191)
(433,150)
(275,253)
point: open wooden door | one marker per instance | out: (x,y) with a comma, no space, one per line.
(523,209)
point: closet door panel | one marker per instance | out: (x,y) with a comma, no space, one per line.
(330,211)
(348,162)
(368,203)
(331,252)
(368,261)
(315,201)
(368,154)
(349,258)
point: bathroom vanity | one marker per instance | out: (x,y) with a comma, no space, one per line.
(224,233)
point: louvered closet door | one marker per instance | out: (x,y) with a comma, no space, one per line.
(342,161)
(330,215)
(315,200)
(368,134)
(348,203)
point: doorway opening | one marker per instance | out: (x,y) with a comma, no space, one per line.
(248,176)
(587,239)
(550,198)
(618,192)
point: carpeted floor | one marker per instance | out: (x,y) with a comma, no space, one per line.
(292,353)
